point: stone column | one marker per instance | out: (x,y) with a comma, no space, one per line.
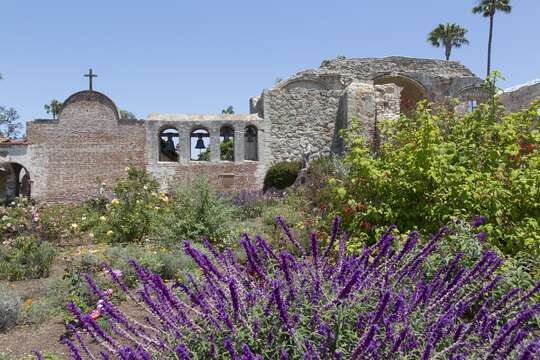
(214,144)
(239,142)
(184,146)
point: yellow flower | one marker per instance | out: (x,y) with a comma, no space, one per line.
(115,201)
(110,233)
(74,226)
(127,168)
(103,218)
(165,199)
(91,235)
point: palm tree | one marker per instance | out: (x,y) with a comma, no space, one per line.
(448,35)
(488,8)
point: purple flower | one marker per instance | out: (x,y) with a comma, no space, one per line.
(481,236)
(333,236)
(183,352)
(478,221)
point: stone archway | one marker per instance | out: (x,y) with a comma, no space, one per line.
(14,182)
(411,91)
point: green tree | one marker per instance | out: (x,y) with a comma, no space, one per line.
(127,115)
(488,9)
(449,36)
(226,148)
(54,108)
(9,122)
(229,110)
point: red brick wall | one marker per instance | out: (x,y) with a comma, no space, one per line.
(88,142)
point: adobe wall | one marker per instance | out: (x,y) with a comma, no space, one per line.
(88,142)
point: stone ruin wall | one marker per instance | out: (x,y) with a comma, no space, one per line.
(310,120)
(87,143)
(522,97)
(305,112)
(301,119)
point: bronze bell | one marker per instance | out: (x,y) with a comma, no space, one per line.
(169,144)
(200,143)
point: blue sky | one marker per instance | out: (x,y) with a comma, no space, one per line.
(201,56)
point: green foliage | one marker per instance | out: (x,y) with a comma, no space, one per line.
(15,219)
(196,212)
(10,308)
(437,166)
(227,150)
(10,125)
(449,36)
(25,258)
(127,115)
(204,155)
(132,213)
(315,189)
(54,108)
(281,175)
(228,110)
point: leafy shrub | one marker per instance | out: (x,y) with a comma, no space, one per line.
(10,308)
(319,172)
(373,304)
(131,214)
(166,263)
(281,175)
(26,258)
(252,203)
(437,166)
(62,224)
(196,211)
(16,219)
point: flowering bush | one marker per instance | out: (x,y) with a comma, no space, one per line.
(26,258)
(375,304)
(131,212)
(252,203)
(17,219)
(196,211)
(434,166)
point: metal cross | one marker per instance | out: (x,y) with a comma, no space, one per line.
(90,75)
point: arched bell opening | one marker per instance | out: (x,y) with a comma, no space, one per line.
(200,145)
(251,143)
(14,182)
(226,143)
(169,141)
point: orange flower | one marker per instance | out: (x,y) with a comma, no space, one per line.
(95,314)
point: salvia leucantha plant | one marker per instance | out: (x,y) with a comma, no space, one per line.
(316,303)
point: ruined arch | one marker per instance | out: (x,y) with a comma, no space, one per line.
(14,182)
(411,90)
(470,97)
(310,84)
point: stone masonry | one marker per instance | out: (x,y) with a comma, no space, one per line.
(67,158)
